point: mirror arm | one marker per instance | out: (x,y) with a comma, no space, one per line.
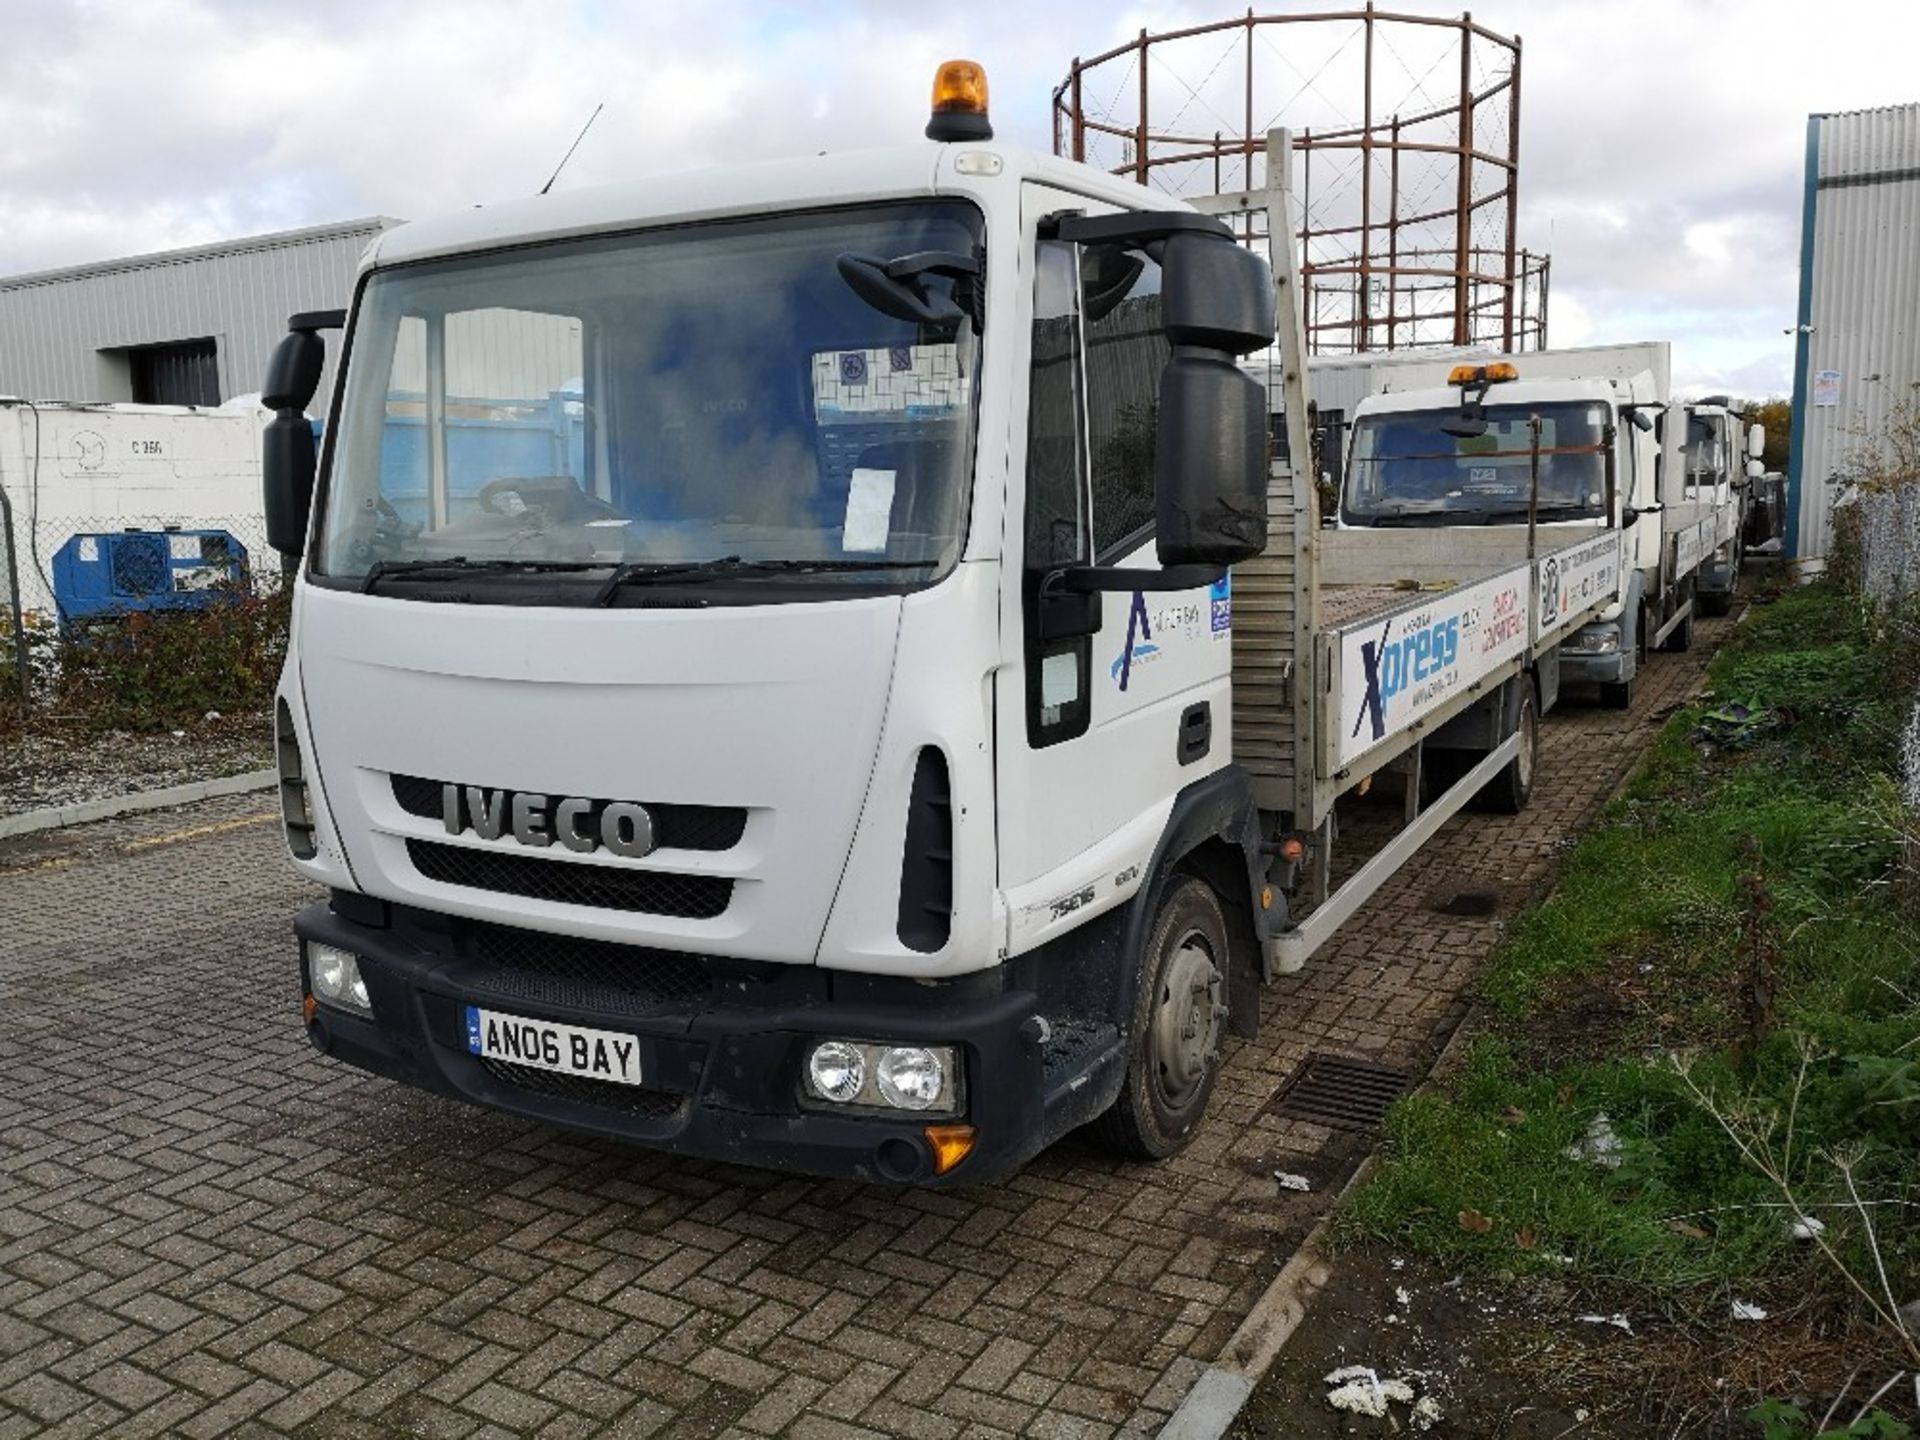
(1090,579)
(1129,227)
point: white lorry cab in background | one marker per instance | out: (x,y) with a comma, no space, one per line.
(1721,455)
(811,663)
(1550,441)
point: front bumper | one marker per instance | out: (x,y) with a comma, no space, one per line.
(722,1067)
(1716,577)
(1592,669)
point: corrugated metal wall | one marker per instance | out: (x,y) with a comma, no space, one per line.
(1860,294)
(55,326)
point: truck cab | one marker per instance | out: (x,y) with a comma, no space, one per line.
(1721,458)
(759,672)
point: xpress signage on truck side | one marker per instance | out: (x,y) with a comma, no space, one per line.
(1394,670)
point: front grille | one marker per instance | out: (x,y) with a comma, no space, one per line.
(603,887)
(675,827)
(603,1094)
(591,975)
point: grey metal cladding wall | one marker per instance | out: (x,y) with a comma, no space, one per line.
(53,325)
(1865,308)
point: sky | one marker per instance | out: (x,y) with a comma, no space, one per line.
(1662,141)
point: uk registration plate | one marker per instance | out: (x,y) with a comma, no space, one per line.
(548,1045)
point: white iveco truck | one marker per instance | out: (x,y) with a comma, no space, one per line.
(766,679)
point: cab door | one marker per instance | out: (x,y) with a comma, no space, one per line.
(1095,733)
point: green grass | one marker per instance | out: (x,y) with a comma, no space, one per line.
(1640,953)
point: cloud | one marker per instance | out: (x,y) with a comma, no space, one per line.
(1661,141)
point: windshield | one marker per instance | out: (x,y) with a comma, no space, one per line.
(1406,470)
(1706,451)
(669,405)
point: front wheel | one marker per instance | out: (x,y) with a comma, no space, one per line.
(1508,792)
(1179,1016)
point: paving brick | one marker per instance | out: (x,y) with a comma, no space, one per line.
(207,1228)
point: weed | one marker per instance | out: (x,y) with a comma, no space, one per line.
(1735,904)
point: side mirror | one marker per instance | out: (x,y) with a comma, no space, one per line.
(1210,458)
(1210,462)
(1629,517)
(1756,441)
(286,446)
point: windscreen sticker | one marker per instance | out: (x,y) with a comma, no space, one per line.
(919,381)
(869,511)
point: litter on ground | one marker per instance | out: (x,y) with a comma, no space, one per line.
(1290,1181)
(1618,1321)
(1600,1146)
(1359,1390)
(1747,1310)
(1805,1227)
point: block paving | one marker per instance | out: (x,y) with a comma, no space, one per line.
(206,1228)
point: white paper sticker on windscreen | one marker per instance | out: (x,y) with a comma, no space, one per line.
(869,511)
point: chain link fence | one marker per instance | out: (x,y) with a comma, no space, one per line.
(1885,525)
(68,579)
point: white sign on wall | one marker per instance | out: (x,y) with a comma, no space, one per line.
(1826,387)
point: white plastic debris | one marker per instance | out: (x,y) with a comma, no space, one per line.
(1581,1415)
(1427,1413)
(1617,1320)
(1600,1146)
(211,715)
(1290,1181)
(1398,1263)
(1747,1310)
(1806,1227)
(1401,1296)
(1359,1390)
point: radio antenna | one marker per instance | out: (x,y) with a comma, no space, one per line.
(573,147)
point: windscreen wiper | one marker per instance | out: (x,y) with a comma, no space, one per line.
(461,565)
(646,572)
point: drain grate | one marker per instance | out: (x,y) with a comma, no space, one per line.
(1341,1091)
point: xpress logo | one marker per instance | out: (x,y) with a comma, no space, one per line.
(1550,590)
(618,826)
(1424,653)
(1140,647)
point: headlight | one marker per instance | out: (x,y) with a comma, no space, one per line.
(911,1078)
(334,976)
(866,1076)
(1596,642)
(837,1071)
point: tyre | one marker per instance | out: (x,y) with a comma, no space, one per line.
(1716,605)
(1680,639)
(1508,792)
(1179,1017)
(1616,694)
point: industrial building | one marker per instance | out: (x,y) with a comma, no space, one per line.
(182,327)
(1857,341)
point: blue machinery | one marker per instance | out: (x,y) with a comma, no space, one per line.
(107,573)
